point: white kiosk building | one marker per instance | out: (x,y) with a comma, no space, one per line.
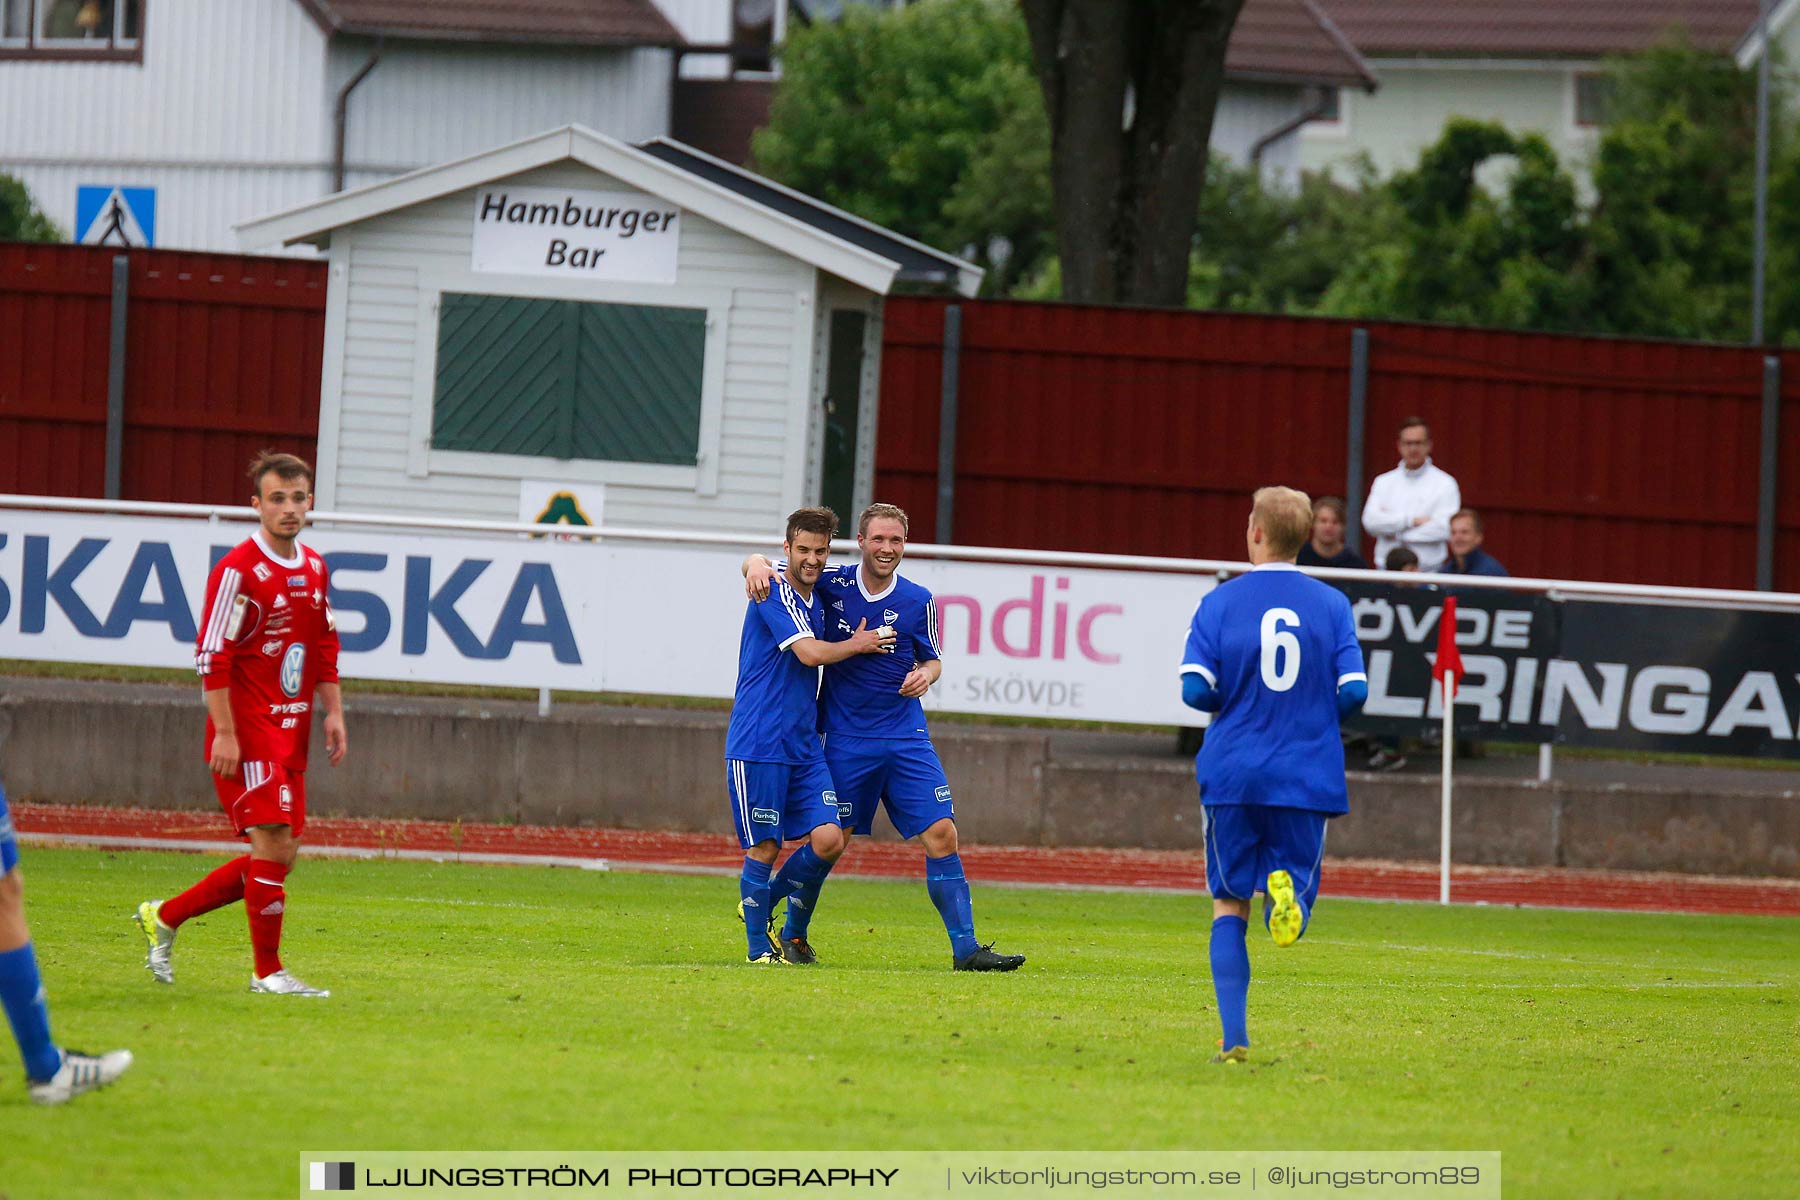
(670,340)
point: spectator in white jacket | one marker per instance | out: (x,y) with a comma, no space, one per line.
(1412,504)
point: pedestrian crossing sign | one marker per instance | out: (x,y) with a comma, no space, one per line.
(108,215)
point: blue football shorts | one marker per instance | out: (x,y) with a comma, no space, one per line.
(9,843)
(772,800)
(1246,842)
(902,773)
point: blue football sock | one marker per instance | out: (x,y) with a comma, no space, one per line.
(1231,978)
(804,874)
(753,888)
(22,994)
(795,873)
(949,891)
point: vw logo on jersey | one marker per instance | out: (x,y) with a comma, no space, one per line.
(293,669)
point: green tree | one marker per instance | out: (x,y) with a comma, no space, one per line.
(924,119)
(1458,253)
(20,219)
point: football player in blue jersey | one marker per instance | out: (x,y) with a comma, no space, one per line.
(876,743)
(1273,654)
(52,1075)
(774,762)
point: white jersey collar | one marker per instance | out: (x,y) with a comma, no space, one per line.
(893,582)
(294,563)
(1275,566)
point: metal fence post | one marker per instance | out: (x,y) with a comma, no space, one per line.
(1359,420)
(115,376)
(946,486)
(1768,480)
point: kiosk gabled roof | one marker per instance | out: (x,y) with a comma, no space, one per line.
(314,221)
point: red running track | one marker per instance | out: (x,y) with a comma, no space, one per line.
(1029,865)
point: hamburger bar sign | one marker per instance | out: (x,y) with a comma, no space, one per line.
(623,237)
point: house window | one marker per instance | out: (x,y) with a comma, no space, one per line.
(1330,105)
(1593,99)
(752,35)
(566,379)
(72,29)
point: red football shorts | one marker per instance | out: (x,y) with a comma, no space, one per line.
(263,793)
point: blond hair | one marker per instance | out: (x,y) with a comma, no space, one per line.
(1286,519)
(882,512)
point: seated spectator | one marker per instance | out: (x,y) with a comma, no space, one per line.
(1466,556)
(1327,549)
(1401,559)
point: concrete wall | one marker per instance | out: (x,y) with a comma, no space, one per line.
(116,744)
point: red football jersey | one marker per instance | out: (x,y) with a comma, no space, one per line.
(269,637)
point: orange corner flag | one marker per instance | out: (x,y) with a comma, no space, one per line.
(1449,658)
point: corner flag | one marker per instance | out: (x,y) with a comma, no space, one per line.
(1447,669)
(1449,658)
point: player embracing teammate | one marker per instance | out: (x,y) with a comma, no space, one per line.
(876,744)
(266,647)
(1274,654)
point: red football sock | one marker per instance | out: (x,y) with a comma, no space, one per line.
(265,899)
(224,885)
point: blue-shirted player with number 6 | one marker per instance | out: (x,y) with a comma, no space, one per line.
(1274,654)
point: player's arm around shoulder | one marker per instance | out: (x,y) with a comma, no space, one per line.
(862,640)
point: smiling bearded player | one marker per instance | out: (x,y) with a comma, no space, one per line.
(268,643)
(876,743)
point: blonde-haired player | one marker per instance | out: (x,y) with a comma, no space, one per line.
(1273,653)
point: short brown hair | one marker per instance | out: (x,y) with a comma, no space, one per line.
(811,520)
(1409,422)
(1333,505)
(882,512)
(1286,518)
(284,466)
(1472,515)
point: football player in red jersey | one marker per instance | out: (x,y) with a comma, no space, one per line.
(267,644)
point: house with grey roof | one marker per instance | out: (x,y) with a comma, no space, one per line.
(1529,64)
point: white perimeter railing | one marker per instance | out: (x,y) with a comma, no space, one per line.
(1730,598)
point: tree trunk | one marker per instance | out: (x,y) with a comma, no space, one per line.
(1130,87)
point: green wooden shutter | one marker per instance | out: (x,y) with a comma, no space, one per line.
(639,383)
(504,384)
(563,379)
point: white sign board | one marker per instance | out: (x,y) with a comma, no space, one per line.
(620,237)
(534,611)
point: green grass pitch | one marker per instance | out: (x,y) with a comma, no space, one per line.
(522,1008)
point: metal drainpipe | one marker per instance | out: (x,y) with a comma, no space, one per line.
(341,115)
(1287,127)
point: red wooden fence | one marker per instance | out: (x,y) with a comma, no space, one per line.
(1142,431)
(223,357)
(1126,430)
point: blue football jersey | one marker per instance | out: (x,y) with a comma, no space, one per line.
(1276,645)
(774,712)
(861,695)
